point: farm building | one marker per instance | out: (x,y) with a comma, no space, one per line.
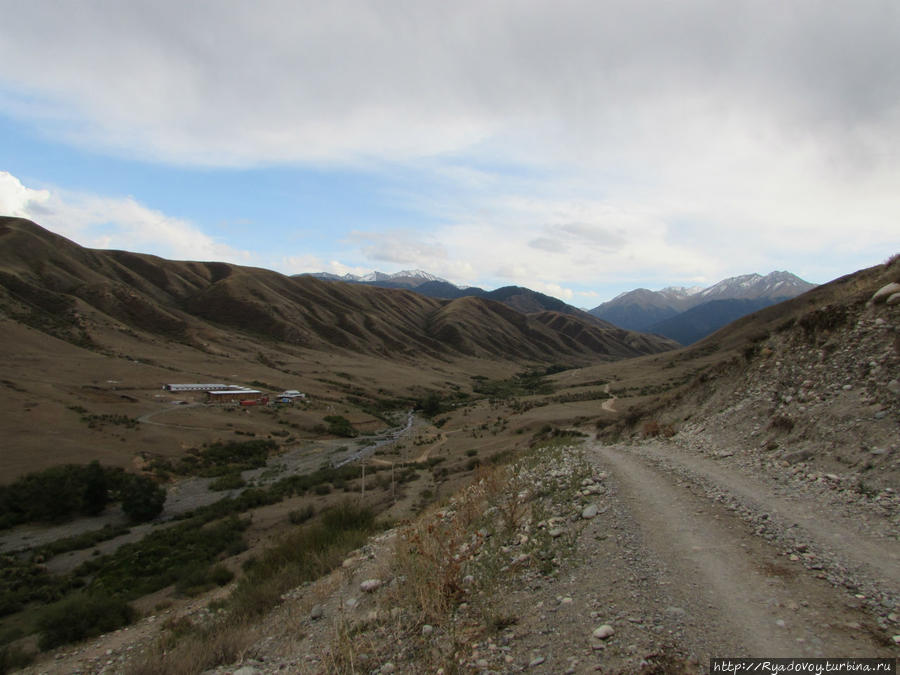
(196,387)
(232,395)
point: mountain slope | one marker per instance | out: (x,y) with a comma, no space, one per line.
(645,310)
(698,322)
(71,292)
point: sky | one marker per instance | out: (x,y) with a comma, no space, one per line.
(580,148)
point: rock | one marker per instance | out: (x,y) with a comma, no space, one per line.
(388,668)
(893,299)
(370,585)
(894,386)
(317,612)
(246,670)
(589,512)
(603,632)
(427,629)
(896,639)
(556,532)
(675,611)
(885,292)
(536,661)
(798,456)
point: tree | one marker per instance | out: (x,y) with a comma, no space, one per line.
(95,494)
(431,405)
(142,499)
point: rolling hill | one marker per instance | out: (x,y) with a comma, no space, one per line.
(58,287)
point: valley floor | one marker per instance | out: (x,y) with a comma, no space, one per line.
(643,558)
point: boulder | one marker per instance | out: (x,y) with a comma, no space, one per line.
(883,293)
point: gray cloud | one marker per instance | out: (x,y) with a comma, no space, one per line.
(399,246)
(548,245)
(241,83)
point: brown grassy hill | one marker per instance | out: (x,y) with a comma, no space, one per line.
(52,284)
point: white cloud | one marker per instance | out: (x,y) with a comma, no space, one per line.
(403,247)
(112,223)
(18,200)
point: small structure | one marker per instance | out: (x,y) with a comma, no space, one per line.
(289,395)
(233,395)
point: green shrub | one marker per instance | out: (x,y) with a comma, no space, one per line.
(75,489)
(161,557)
(142,499)
(199,578)
(81,616)
(338,425)
(230,481)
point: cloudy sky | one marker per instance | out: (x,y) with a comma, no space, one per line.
(578,148)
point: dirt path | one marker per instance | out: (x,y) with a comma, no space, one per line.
(148,418)
(609,404)
(752,600)
(426,453)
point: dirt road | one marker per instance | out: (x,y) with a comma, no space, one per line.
(681,573)
(752,598)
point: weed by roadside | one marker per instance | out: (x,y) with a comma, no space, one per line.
(452,563)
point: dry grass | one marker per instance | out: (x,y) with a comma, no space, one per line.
(197,651)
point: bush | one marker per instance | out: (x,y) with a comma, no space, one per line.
(81,616)
(161,557)
(300,516)
(142,499)
(230,481)
(431,405)
(75,489)
(199,578)
(339,425)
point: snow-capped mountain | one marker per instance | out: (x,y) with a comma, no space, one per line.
(748,286)
(404,279)
(674,311)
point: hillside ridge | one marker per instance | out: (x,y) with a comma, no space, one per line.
(58,286)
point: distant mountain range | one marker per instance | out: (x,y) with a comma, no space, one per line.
(682,314)
(519,298)
(689,314)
